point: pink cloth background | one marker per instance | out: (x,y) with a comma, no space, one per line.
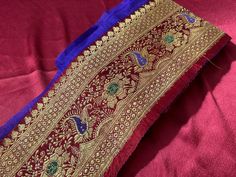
(194,137)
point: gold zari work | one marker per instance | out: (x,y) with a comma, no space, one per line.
(156,46)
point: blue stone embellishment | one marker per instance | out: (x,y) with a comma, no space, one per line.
(140,59)
(81,126)
(189,18)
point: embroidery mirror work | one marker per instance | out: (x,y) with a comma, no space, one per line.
(71,142)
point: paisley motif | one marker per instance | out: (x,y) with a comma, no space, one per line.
(108,97)
(80,125)
(190,19)
(140,59)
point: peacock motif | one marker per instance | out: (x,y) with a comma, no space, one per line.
(142,58)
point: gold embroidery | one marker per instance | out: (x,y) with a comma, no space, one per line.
(133,99)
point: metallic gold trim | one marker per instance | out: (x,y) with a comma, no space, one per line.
(156,95)
(30,135)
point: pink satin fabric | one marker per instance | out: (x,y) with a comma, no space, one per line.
(194,137)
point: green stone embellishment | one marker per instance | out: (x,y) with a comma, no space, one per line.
(113,88)
(169,39)
(52,168)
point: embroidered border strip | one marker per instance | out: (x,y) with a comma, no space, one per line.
(85,120)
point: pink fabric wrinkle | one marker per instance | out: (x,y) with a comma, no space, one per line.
(104,4)
(62,22)
(23,88)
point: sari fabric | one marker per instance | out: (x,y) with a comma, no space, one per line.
(56,157)
(196,135)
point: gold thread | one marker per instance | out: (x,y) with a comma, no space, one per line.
(65,80)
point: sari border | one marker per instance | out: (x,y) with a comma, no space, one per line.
(74,49)
(84,57)
(157,104)
(163,103)
(129,134)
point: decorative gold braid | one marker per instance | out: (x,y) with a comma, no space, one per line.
(96,156)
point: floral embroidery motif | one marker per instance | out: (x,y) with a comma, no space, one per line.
(116,89)
(173,39)
(52,168)
(54,165)
(113,88)
(96,103)
(169,38)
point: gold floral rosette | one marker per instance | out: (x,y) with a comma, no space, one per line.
(94,116)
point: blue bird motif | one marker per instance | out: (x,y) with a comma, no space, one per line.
(80,122)
(140,59)
(189,18)
(81,126)
(143,59)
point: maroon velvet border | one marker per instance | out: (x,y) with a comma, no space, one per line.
(161,106)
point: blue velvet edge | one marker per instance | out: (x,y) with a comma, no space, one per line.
(106,22)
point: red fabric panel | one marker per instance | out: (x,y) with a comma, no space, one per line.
(32,34)
(196,135)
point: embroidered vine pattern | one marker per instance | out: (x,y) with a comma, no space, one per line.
(104,94)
